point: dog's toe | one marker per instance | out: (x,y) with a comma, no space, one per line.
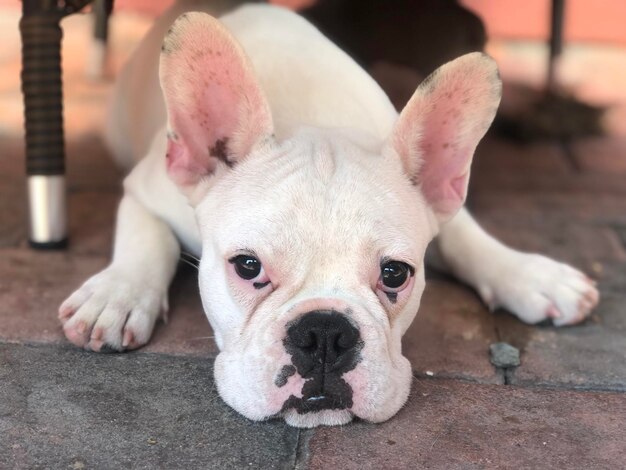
(76,333)
(538,288)
(110,313)
(586,301)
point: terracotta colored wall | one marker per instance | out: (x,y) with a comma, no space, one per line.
(585,20)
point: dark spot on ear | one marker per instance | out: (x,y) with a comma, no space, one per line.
(166,46)
(392,296)
(220,151)
(284,374)
(260,285)
(446,145)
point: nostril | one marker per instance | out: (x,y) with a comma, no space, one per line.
(306,341)
(346,341)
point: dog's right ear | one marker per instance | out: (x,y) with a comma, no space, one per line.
(439,128)
(217,113)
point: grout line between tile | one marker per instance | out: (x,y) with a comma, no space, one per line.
(301,454)
(560,387)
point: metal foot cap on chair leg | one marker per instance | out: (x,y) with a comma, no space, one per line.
(48,218)
(60,245)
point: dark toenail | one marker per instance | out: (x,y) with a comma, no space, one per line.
(108,349)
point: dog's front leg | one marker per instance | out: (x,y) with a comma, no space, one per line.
(531,286)
(117,308)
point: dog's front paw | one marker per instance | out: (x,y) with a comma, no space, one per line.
(536,288)
(112,312)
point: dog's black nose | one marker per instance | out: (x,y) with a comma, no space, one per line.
(323,342)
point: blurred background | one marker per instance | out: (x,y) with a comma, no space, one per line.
(592,67)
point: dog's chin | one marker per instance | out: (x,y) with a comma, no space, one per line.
(317,418)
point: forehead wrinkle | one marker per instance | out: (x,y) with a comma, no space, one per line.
(326,235)
(324,155)
(343,212)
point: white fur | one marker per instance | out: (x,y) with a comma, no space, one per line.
(320,204)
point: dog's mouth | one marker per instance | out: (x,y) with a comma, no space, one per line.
(316,403)
(322,392)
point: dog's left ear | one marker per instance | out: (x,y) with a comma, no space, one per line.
(441,125)
(217,113)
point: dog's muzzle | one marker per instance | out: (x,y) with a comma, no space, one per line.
(323,345)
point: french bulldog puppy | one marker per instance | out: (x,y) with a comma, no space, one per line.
(276,159)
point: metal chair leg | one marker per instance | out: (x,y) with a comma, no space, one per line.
(556,41)
(42,88)
(96,66)
(43,113)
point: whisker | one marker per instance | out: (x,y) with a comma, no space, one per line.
(190,263)
(186,254)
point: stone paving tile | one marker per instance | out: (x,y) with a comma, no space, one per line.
(587,356)
(521,161)
(501,166)
(600,208)
(605,155)
(12,214)
(451,334)
(62,408)
(451,424)
(586,246)
(90,166)
(92,222)
(34,283)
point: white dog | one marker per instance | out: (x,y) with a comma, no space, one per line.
(278,159)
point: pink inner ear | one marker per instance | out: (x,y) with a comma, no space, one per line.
(443,174)
(212,112)
(438,130)
(182,168)
(211,96)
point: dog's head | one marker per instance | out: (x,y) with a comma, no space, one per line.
(313,246)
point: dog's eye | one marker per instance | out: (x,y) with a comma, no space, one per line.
(246,266)
(394,276)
